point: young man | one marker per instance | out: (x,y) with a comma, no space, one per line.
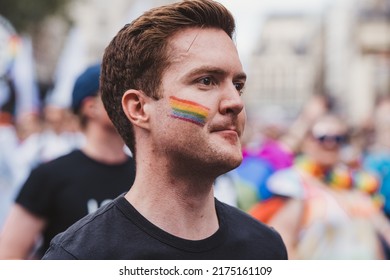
(172,84)
(60,192)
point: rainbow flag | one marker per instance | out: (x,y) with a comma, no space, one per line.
(188,111)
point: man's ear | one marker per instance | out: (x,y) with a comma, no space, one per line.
(134,104)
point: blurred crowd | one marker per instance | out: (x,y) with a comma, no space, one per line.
(58,166)
(312,179)
(320,182)
(30,139)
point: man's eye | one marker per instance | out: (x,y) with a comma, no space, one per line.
(239,87)
(206,81)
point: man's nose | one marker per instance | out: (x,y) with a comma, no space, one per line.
(231,101)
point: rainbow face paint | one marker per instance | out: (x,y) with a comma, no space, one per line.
(188,111)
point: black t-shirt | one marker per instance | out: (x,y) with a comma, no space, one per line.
(66,189)
(118,231)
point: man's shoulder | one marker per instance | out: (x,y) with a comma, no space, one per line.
(256,239)
(70,159)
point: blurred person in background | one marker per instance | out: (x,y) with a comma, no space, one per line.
(17,111)
(27,140)
(329,210)
(17,156)
(59,192)
(377,156)
(8,139)
(20,143)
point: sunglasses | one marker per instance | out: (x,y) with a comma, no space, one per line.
(334,139)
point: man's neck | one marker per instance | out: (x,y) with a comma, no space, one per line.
(105,147)
(183,207)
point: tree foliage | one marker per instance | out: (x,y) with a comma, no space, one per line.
(26,15)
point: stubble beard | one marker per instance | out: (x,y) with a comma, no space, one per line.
(209,161)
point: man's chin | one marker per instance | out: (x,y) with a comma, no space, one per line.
(232,164)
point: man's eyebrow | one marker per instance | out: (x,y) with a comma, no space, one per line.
(240,76)
(215,70)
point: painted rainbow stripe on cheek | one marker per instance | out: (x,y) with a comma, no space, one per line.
(188,111)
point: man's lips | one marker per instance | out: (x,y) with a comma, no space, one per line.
(231,133)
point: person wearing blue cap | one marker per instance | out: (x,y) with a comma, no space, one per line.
(60,192)
(86,85)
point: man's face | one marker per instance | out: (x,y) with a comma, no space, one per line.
(199,119)
(94,109)
(325,141)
